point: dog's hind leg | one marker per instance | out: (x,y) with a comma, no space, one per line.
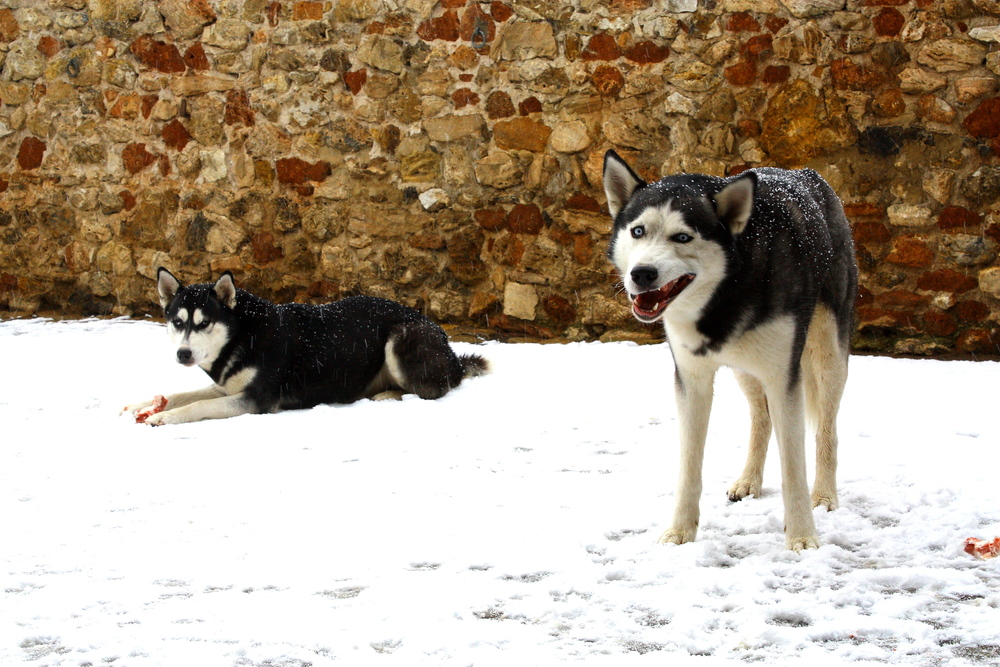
(752,479)
(824,365)
(420,360)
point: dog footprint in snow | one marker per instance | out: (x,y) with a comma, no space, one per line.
(424,566)
(619,535)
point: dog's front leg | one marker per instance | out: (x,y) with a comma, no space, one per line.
(211,408)
(180,399)
(693,394)
(786,403)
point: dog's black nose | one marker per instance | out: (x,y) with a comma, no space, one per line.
(184,355)
(644,276)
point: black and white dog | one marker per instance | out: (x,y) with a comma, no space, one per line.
(264,357)
(755,272)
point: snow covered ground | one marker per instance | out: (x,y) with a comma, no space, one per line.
(512,522)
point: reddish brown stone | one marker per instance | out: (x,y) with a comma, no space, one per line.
(163,162)
(273,13)
(428,241)
(756,48)
(741,74)
(646,53)
(748,127)
(888,22)
(498,105)
(889,103)
(934,109)
(175,135)
(500,12)
(940,324)
(476,27)
(864,211)
(972,311)
(513,251)
(559,309)
(466,78)
(742,22)
(521,134)
(775,74)
(453,4)
(608,80)
(848,76)
(902,299)
(307,11)
(946,280)
(147,102)
(774,24)
(49,46)
(158,55)
(871,232)
(128,200)
(583,248)
(529,105)
(525,219)
(958,217)
(4,184)
(137,158)
(264,249)
(443,27)
(29,155)
(885,3)
(9,27)
(195,57)
(984,121)
(356,80)
(491,219)
(910,251)
(296,171)
(976,341)
(463,97)
(865,296)
(238,110)
(582,202)
(992,232)
(601,46)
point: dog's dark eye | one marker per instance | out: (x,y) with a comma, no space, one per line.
(204,324)
(682,238)
(638,232)
(177,322)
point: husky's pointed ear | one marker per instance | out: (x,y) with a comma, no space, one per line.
(167,286)
(734,203)
(225,290)
(620,182)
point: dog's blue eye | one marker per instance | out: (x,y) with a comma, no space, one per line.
(682,238)
(638,232)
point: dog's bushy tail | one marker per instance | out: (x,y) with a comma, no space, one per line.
(473,365)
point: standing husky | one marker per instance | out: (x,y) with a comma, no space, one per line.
(755,272)
(264,357)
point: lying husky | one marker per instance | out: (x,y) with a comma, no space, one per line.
(756,272)
(264,357)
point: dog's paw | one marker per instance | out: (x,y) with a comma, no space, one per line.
(677,536)
(744,487)
(158,419)
(800,543)
(825,500)
(135,407)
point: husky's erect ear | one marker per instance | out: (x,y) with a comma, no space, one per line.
(734,203)
(620,182)
(225,290)
(167,286)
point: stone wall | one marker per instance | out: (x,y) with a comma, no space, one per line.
(448,154)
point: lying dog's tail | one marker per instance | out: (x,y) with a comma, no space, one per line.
(473,365)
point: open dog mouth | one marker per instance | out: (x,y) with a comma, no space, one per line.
(648,306)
